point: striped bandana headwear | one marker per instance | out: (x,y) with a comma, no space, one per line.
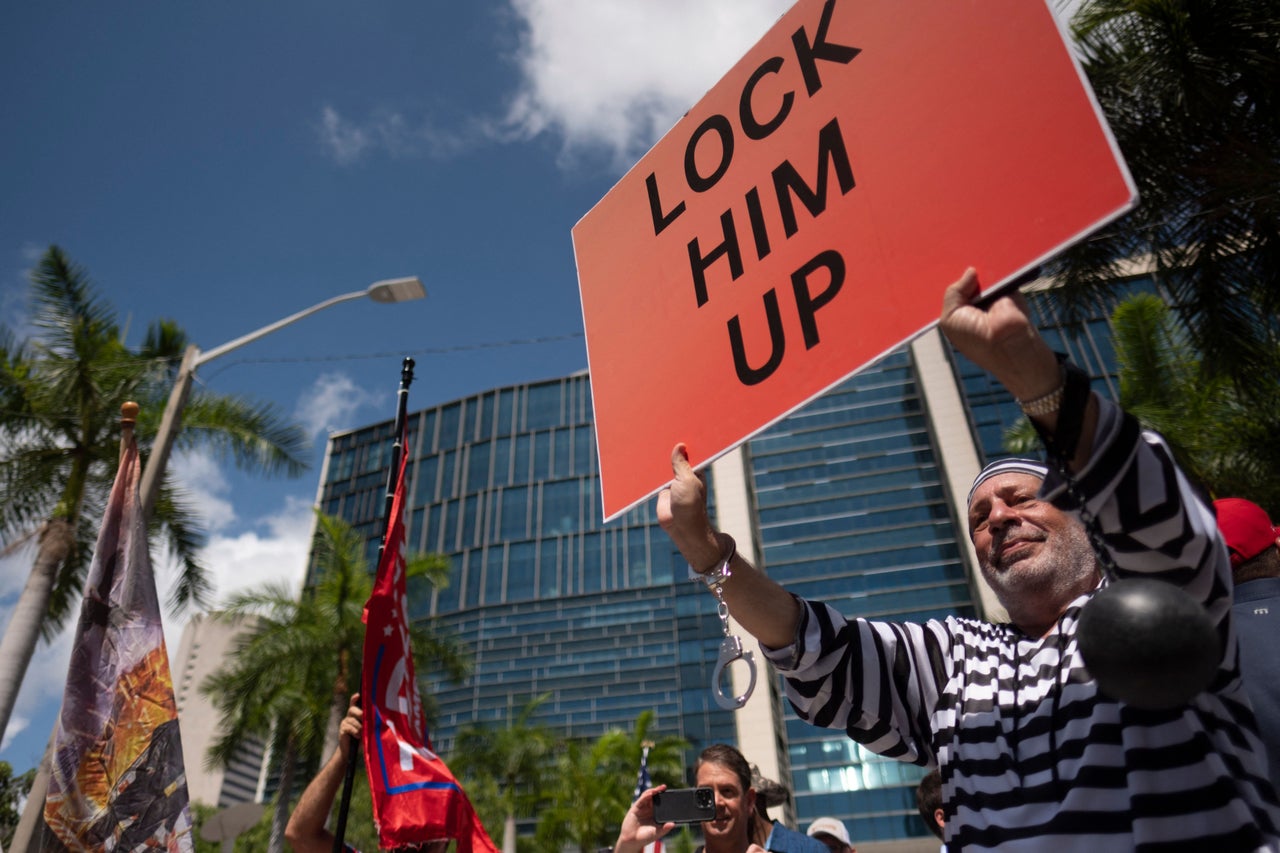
(1008,465)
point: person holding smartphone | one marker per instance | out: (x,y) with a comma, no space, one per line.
(721,768)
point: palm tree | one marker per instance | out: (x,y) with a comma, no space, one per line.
(13,791)
(60,396)
(1215,436)
(297,657)
(621,751)
(595,782)
(584,812)
(503,768)
(1191,89)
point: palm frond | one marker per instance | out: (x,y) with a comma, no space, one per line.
(255,437)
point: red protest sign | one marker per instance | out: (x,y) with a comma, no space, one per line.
(805,216)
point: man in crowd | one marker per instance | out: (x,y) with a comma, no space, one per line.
(833,834)
(929,803)
(773,835)
(1255,568)
(733,829)
(1033,756)
(306,831)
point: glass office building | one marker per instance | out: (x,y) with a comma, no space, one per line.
(852,500)
(549,600)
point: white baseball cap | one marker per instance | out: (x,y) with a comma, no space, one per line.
(830,826)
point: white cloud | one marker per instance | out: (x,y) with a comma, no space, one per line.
(277,553)
(344,141)
(347,140)
(332,403)
(619,73)
(204,487)
(611,75)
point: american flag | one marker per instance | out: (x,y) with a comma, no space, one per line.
(642,784)
(642,780)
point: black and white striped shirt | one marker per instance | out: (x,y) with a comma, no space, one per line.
(1032,756)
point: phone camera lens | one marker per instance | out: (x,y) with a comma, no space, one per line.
(704,799)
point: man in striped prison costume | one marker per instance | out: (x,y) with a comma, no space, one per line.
(1033,756)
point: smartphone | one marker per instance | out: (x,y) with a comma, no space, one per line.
(684,805)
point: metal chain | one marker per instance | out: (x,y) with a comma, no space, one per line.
(1092,527)
(722,610)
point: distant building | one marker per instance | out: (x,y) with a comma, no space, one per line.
(855,499)
(205,646)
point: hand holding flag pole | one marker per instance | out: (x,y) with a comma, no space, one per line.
(416,800)
(393,477)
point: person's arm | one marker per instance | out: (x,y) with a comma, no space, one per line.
(638,828)
(761,606)
(1115,460)
(306,832)
(1000,338)
(773,616)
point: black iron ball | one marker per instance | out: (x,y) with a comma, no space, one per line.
(1148,643)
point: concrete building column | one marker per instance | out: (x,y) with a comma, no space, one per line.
(958,457)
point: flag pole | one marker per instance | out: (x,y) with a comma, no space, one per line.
(24,836)
(397,451)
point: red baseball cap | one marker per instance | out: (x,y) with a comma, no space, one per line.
(1246,527)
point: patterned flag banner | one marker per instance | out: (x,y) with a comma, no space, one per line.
(117,779)
(415,797)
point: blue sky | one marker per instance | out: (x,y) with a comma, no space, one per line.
(228,164)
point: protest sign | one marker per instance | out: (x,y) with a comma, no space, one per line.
(805,216)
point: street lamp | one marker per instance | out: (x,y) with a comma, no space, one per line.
(386,291)
(389,290)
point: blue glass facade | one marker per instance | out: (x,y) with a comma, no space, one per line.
(547,598)
(851,508)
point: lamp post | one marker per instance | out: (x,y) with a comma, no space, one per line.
(387,291)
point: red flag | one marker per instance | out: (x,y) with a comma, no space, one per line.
(117,780)
(415,797)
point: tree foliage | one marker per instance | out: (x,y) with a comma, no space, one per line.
(61,389)
(594,783)
(298,656)
(13,790)
(504,767)
(1218,438)
(1191,90)
(60,395)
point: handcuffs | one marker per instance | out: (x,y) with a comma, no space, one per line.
(730,646)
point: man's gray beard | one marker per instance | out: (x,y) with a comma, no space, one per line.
(1064,568)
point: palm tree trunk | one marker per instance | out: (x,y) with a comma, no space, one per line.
(509,834)
(283,797)
(23,632)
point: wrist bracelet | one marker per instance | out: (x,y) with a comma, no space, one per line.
(1046,404)
(1073,399)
